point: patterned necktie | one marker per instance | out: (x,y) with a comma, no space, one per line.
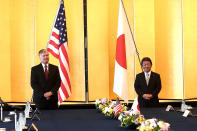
(46,72)
(147,78)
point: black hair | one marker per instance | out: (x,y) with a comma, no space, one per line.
(146,59)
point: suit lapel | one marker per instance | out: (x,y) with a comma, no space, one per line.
(50,71)
(41,71)
(144,79)
(151,79)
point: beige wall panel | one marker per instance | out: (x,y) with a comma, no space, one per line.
(168,47)
(5,78)
(29,45)
(113,28)
(75,27)
(145,31)
(190,47)
(98,60)
(22,40)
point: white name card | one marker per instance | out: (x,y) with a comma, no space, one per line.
(169,107)
(186,113)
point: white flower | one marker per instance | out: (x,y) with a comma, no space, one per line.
(120,117)
(106,110)
(98,101)
(132,112)
(153,125)
(104,100)
(163,125)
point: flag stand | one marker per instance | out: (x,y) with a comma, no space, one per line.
(183,100)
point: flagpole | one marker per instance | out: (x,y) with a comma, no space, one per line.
(135,54)
(182,51)
(34,8)
(53,23)
(131,33)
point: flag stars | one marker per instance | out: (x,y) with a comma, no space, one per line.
(60,24)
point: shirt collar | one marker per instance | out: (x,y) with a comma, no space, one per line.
(149,73)
(43,65)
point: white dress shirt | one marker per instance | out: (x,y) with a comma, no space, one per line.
(147,76)
(43,65)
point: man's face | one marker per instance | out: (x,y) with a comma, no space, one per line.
(146,66)
(44,57)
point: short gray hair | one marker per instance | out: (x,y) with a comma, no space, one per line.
(42,51)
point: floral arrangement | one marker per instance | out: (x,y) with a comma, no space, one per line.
(130,119)
(102,103)
(109,112)
(154,125)
(107,107)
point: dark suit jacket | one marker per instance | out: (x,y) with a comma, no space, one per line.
(153,88)
(40,86)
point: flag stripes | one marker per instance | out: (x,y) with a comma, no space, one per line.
(117,109)
(58,47)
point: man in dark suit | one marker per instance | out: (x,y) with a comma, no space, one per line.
(45,82)
(147,85)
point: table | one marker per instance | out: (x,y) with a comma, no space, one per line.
(92,120)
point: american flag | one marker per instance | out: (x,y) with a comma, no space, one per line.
(117,109)
(58,47)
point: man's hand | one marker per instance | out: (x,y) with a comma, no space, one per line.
(147,96)
(47,95)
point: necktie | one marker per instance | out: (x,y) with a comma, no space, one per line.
(147,78)
(46,72)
